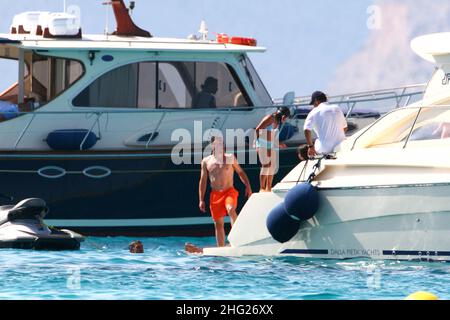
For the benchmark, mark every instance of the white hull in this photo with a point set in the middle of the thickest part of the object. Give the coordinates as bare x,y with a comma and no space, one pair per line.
403,222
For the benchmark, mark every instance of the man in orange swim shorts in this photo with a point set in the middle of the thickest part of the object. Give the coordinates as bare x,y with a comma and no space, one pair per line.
220,168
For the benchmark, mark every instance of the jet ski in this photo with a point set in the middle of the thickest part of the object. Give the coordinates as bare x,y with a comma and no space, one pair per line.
22,227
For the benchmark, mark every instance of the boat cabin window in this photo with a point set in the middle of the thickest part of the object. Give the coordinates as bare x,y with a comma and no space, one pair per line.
9,84
44,77
166,84
52,76
256,82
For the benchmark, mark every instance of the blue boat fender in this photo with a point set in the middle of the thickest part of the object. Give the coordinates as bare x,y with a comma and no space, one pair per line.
280,225
302,202
71,139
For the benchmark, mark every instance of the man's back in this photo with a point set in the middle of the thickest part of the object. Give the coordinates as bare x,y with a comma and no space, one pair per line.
329,123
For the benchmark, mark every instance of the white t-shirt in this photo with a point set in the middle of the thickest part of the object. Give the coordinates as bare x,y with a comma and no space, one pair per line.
328,122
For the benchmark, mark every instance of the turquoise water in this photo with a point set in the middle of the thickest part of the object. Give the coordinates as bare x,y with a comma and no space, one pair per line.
104,269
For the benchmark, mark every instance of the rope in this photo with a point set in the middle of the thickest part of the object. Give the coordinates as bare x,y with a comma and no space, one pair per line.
302,172
315,168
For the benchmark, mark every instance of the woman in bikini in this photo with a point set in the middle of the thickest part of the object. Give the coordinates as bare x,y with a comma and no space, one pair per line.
267,145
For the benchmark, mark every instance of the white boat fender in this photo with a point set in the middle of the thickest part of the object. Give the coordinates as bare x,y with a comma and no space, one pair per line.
300,204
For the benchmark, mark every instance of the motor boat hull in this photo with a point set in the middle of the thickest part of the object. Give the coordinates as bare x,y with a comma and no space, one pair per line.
403,222
127,194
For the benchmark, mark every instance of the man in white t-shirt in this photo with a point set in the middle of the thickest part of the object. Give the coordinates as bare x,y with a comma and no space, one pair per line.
329,124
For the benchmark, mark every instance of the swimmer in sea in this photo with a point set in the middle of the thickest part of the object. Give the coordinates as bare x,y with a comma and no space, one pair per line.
136,247
191,248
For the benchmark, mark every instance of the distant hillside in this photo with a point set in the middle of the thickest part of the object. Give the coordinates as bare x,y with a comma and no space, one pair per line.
386,60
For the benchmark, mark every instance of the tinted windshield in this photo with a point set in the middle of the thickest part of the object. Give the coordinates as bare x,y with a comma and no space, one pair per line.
166,84
255,81
405,126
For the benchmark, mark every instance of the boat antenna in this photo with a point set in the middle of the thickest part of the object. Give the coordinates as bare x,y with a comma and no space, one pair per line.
65,5
132,6
203,27
106,4
203,9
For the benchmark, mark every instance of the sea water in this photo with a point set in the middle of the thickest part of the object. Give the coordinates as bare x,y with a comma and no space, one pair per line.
104,269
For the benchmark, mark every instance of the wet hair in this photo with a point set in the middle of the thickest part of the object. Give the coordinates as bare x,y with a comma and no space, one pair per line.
281,112
303,151
136,247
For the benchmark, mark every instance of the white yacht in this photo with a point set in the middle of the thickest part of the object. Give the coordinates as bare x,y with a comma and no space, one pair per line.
95,133
384,195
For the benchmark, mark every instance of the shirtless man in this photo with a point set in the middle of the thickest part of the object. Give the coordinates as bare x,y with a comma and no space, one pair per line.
220,168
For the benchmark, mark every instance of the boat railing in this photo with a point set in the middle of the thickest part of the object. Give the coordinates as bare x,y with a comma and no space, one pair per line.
402,96
395,97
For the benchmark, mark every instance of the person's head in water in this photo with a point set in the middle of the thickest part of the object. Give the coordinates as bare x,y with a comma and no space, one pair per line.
211,85
282,114
136,247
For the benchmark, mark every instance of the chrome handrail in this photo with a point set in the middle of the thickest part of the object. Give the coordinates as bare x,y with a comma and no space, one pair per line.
412,128
368,96
150,139
97,121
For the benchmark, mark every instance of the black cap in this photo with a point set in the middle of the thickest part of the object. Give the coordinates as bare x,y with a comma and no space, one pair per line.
318,95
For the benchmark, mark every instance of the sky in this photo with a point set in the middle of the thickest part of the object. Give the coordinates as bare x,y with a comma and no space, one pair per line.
306,40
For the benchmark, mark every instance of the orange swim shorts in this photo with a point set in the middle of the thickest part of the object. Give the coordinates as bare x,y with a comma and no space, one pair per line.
219,200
